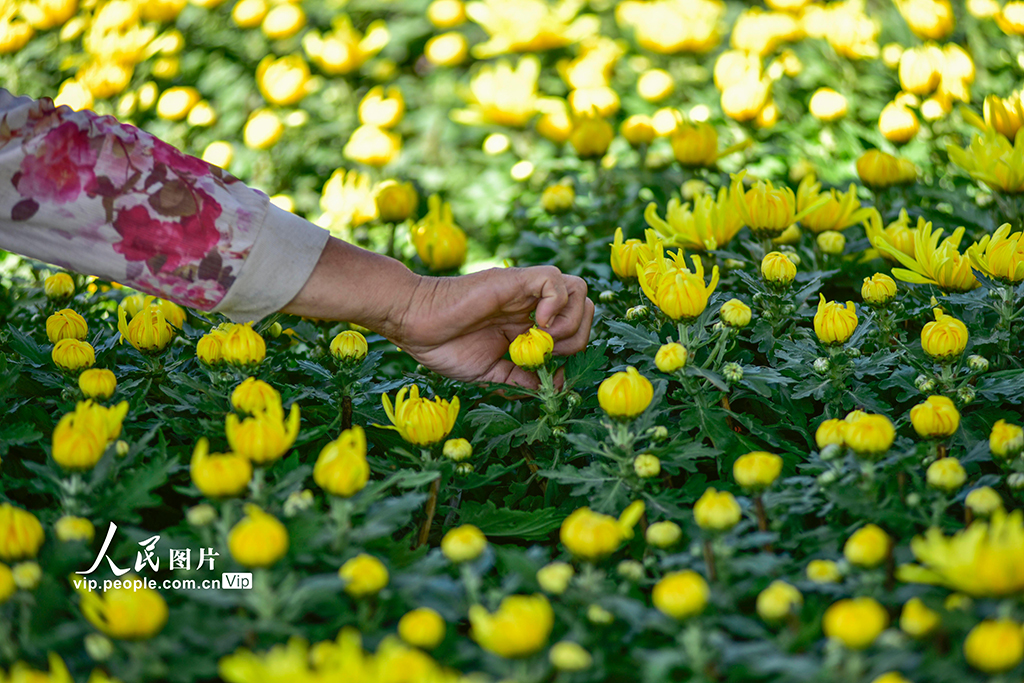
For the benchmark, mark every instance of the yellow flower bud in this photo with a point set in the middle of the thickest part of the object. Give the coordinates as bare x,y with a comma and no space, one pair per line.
447,49
73,529
265,436
1006,116
81,437
831,242
21,534
175,103
457,450
569,656
1006,440
422,627
944,338
283,21
395,201
591,136
995,646
59,287
255,396
916,620
856,623
372,146
439,242
654,85
599,615
671,357
681,595
834,324
592,536
519,628
558,198
262,130
341,469
625,395
735,313
446,13
27,575
249,13
827,105
823,571
364,575
879,170
778,269
420,421
898,123
463,544
638,130
830,432
219,475
878,290
258,540
66,324
125,613
97,383
628,254
869,436
663,534
920,69
554,578
935,418
242,346
757,470
983,501
778,601
716,511
532,349
7,585
647,466
71,355
946,474
382,109
283,81
555,126
867,547
148,330
349,347
695,145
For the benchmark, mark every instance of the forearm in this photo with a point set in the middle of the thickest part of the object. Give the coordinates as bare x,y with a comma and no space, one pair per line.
359,286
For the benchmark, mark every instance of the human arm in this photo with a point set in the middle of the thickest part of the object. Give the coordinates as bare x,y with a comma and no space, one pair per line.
460,327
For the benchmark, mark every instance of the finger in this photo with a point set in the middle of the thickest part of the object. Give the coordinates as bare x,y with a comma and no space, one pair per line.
578,341
571,317
507,372
559,378
547,284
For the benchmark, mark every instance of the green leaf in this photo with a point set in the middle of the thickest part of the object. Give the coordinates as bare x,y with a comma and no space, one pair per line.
528,525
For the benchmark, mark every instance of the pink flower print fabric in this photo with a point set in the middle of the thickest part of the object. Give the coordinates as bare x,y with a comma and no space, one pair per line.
130,207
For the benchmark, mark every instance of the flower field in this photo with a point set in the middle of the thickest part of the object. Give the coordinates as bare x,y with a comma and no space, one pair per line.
791,451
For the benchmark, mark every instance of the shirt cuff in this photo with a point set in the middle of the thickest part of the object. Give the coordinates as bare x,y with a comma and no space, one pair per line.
282,258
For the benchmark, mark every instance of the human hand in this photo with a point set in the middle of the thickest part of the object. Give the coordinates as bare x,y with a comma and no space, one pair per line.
461,327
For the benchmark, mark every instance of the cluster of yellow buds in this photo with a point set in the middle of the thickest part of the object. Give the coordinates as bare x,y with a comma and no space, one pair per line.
264,435
232,343
374,143
81,437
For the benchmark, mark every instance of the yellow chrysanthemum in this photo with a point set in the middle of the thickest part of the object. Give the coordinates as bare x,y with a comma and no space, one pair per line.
528,25
420,421
1000,255
502,95
679,292
986,559
835,210
711,224
991,159
933,263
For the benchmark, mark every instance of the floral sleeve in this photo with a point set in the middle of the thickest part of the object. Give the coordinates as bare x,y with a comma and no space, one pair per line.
93,195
